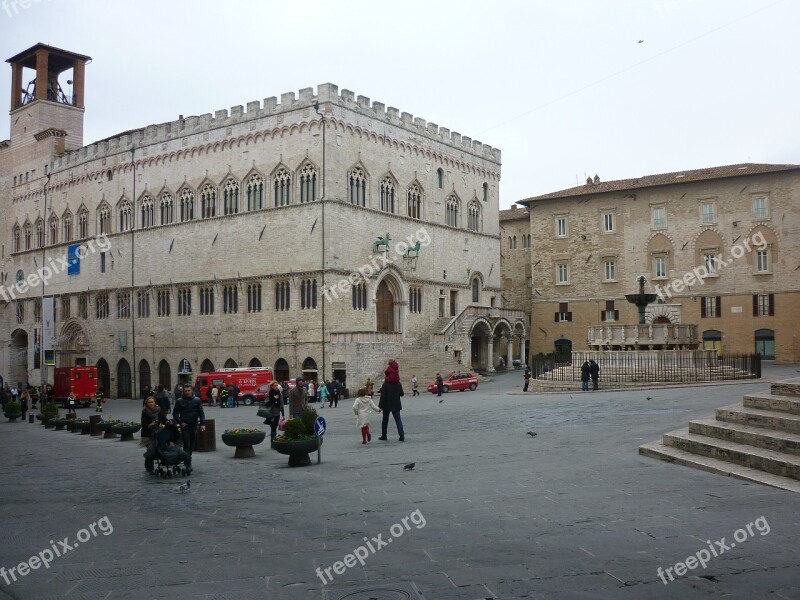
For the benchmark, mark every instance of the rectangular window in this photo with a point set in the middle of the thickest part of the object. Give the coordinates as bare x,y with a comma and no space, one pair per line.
207,300
609,314
760,207
143,304
658,217
608,223
101,306
711,306
123,305
562,273
610,270
710,262
762,261
162,303
83,306
708,212
185,302
561,227
763,305
563,314
660,266
102,262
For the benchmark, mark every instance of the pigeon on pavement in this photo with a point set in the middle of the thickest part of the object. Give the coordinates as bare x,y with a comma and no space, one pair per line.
532,433
185,487
409,466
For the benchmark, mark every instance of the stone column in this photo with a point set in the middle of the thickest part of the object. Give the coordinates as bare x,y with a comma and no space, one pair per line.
42,61
510,355
523,360
490,362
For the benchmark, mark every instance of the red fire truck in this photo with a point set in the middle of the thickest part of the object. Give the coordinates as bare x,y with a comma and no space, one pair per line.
247,379
81,381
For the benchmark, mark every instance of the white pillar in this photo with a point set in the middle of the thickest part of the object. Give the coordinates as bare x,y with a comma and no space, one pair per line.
523,360
510,354
490,366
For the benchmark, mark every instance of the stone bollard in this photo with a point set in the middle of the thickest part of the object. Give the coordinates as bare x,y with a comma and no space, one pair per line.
94,421
207,440
31,418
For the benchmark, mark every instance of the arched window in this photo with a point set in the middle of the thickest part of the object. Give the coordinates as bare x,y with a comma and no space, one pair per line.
255,192
187,205
16,235
474,217
105,219
440,178
451,215
308,183
230,299
360,296
66,226
27,233
308,293
387,195
39,228
125,215
476,291
53,229
208,202
166,208
414,202
83,224
357,187
485,192
514,241
148,212
282,185
230,197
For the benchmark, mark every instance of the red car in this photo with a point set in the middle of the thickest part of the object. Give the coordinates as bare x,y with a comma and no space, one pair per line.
457,380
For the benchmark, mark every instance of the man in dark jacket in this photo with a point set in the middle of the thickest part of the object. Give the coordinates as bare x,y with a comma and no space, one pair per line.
391,391
188,412
594,371
585,374
439,384
235,394
162,399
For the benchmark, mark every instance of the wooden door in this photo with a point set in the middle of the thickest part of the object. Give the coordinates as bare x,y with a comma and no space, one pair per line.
385,308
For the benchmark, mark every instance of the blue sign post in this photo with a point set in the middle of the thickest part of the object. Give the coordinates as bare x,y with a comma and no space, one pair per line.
319,430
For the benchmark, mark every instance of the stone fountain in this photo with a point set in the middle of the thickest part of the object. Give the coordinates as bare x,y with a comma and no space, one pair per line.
641,300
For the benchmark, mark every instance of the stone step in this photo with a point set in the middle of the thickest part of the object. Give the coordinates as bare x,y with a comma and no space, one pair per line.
777,441
712,465
774,402
776,463
756,417
789,387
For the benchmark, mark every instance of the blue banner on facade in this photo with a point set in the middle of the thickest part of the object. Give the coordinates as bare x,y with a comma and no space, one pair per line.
73,260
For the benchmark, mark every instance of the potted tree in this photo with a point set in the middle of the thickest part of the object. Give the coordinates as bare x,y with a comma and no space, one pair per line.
243,440
49,412
13,411
298,439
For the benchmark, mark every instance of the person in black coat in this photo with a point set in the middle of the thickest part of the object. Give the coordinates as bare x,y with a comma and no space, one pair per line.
585,373
594,372
152,420
391,391
274,404
162,399
188,412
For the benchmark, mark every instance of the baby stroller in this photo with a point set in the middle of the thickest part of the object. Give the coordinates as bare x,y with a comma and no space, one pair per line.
167,453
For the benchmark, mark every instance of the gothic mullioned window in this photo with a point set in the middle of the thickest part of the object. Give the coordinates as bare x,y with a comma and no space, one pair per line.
451,211
308,183
125,216
187,205
27,231
283,295
105,219
255,192
39,228
166,207
101,306
415,299
253,297
230,197
162,303
474,216
83,224
143,304
66,227
360,296
15,242
207,300
208,202
308,293
185,302
414,202
148,212
123,305
282,185
387,195
357,182
230,299
54,229
83,306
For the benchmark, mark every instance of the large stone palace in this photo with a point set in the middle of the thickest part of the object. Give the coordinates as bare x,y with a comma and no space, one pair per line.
323,233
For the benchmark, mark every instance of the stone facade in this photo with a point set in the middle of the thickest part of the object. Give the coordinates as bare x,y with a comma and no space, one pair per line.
590,243
516,258
269,213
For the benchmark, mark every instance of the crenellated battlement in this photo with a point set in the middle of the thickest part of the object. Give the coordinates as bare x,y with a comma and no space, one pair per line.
327,93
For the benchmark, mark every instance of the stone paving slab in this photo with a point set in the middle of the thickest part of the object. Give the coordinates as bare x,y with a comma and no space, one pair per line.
574,512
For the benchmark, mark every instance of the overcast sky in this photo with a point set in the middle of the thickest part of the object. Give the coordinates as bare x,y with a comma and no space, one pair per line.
563,88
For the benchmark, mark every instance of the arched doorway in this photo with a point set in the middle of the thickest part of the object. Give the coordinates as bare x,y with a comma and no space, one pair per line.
563,347
254,363
164,375
661,320
185,371
104,376
712,340
144,374
207,367
281,370
479,345
230,364
123,379
385,307
765,343
310,369
73,344
18,365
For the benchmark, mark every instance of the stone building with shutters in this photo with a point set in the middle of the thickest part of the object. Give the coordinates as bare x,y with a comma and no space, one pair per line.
247,237
719,245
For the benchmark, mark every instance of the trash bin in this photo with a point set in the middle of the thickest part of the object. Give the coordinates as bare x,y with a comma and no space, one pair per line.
94,421
207,440
31,418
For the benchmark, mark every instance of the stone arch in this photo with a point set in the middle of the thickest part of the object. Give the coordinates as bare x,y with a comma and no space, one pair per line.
104,376
480,336
207,366
144,374
281,369
670,312
164,375
124,380
72,341
18,358
254,363
389,297
230,364
502,328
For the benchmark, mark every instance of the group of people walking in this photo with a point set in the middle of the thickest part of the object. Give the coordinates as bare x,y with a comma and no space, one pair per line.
158,429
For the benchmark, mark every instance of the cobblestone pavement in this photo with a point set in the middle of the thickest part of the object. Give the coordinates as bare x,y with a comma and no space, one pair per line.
490,511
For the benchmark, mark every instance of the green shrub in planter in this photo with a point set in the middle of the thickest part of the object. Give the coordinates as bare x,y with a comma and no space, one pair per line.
49,408
13,408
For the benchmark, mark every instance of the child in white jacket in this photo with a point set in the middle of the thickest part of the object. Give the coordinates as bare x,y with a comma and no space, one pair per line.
362,407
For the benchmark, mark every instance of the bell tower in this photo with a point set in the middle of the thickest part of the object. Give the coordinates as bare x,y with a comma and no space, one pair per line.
51,103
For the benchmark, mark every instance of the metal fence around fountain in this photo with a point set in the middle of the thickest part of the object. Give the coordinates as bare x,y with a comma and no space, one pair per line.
644,367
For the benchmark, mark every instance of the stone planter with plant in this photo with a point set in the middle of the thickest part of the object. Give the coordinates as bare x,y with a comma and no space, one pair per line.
243,440
298,439
13,410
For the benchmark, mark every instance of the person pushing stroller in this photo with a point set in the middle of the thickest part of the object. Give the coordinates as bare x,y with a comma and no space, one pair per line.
166,450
